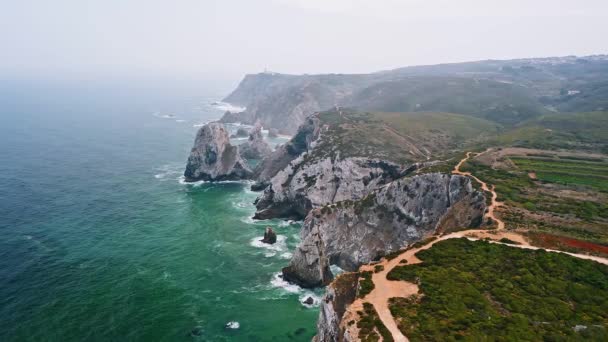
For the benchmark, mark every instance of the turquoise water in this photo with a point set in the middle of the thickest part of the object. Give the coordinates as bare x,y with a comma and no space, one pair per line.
99,239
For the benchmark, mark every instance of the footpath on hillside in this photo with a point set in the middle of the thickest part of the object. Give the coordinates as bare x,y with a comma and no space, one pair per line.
385,289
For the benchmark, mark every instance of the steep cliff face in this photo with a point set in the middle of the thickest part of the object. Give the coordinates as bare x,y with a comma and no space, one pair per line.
279,159
338,296
284,102
304,185
255,147
351,233
213,158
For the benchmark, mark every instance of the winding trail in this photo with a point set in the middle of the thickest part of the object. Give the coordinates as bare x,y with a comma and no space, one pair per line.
385,289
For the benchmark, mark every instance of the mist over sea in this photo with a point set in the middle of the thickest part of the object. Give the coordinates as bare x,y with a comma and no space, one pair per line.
101,240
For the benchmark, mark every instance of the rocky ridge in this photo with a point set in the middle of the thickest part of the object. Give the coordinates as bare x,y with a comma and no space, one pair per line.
351,233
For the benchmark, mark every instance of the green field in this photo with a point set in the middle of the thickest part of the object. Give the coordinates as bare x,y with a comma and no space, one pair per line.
572,131
536,295
567,171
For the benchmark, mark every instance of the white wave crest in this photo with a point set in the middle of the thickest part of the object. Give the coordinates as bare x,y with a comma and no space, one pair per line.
225,106
277,281
280,246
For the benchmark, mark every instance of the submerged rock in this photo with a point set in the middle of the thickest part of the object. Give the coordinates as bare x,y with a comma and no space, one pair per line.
351,233
213,158
270,237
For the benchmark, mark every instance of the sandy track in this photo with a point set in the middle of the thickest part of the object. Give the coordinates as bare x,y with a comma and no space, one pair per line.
385,289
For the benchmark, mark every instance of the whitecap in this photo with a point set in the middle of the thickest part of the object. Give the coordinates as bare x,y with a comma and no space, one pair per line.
279,246
277,281
286,255
225,106
233,325
315,298
180,120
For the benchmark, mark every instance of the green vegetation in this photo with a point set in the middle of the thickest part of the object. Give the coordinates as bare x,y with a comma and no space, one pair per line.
397,137
566,171
366,284
509,241
378,268
501,102
581,131
370,325
478,291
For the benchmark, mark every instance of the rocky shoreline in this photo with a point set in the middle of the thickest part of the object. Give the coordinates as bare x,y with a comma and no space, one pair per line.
356,209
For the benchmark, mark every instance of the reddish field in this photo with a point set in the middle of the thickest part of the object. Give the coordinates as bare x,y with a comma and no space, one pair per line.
554,241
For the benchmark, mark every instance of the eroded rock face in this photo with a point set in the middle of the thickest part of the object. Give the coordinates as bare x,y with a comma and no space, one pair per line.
304,185
338,296
350,234
213,158
255,147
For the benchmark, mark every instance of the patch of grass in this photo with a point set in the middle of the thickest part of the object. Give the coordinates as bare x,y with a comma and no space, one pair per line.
378,268
535,295
366,284
402,138
370,325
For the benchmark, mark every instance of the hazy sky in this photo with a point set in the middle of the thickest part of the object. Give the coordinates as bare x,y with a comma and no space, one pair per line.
231,37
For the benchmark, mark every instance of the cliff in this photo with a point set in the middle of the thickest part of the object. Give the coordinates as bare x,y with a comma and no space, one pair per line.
213,158
351,233
508,91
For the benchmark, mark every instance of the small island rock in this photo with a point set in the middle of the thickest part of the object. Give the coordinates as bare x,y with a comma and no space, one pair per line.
270,237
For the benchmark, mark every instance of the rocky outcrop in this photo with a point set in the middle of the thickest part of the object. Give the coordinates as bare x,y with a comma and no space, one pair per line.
279,159
240,133
270,237
255,147
213,158
338,296
304,185
351,233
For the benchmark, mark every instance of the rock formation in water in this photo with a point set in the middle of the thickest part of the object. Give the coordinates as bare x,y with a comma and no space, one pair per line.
213,158
240,133
351,233
270,237
255,147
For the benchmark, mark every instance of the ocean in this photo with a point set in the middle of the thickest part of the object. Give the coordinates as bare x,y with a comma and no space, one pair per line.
101,240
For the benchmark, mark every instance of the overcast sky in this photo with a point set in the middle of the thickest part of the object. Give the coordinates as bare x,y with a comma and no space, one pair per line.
232,37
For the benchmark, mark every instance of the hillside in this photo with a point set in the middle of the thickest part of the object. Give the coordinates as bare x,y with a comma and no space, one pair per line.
509,91
397,137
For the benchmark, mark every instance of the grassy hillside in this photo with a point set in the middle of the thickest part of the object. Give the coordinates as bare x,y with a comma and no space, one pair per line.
496,101
584,131
398,137
536,295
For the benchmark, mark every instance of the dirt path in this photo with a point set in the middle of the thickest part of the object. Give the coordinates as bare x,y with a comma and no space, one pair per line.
385,289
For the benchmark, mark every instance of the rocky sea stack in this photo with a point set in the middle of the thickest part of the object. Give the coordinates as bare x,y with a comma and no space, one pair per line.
255,147
213,158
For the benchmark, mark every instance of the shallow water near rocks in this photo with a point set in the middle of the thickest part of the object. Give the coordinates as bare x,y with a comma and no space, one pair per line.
99,239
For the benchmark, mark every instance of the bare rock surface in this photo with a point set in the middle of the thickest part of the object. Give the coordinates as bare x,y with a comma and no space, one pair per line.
213,158
351,233
255,147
